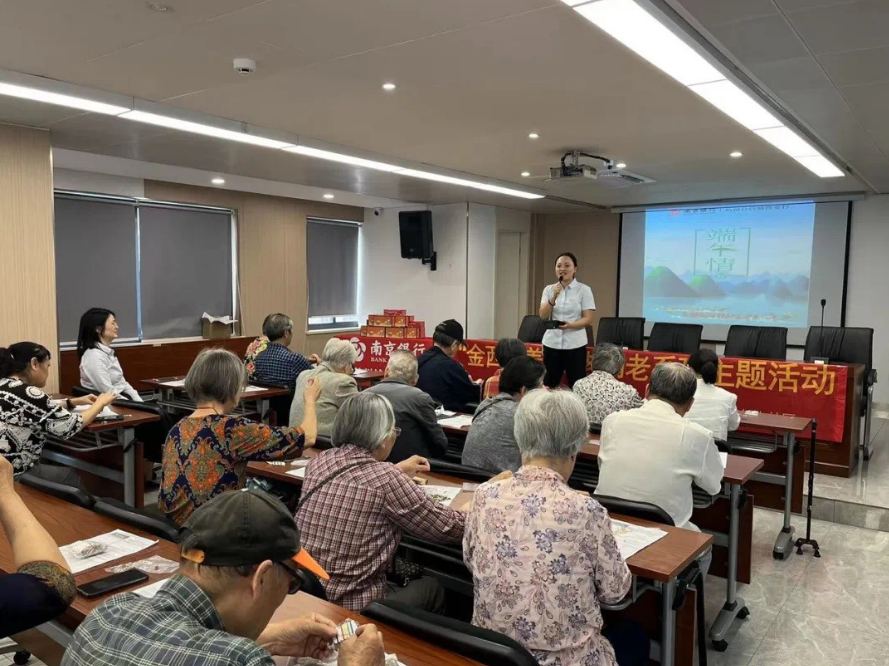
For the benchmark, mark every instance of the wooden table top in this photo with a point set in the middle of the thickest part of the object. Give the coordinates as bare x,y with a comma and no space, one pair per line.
257,392
776,422
661,561
131,418
738,469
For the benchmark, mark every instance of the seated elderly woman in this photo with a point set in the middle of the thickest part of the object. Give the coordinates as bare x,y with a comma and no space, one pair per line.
601,391
714,408
355,507
542,555
506,350
334,376
207,452
491,443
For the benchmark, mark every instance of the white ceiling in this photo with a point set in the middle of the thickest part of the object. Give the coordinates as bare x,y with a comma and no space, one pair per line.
474,77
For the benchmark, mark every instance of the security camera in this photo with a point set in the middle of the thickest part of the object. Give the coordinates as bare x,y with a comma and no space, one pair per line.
378,211
244,66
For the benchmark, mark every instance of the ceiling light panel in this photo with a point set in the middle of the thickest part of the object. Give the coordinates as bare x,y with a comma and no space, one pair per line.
342,158
788,141
820,166
737,104
428,175
25,92
201,128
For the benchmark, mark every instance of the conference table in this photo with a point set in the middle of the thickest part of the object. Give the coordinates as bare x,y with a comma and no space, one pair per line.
67,523
93,442
661,562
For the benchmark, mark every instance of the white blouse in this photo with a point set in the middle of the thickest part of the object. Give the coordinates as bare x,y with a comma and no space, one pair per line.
574,299
100,371
716,409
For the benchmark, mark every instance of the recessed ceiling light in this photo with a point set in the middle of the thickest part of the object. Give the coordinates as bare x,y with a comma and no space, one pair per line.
621,165
328,196
533,135
389,86
218,181
525,174
158,7
736,153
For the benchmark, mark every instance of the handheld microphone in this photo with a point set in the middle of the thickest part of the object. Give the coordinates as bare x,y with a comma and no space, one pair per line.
561,277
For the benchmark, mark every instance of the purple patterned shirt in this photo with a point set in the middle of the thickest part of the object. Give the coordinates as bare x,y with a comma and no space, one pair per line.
542,556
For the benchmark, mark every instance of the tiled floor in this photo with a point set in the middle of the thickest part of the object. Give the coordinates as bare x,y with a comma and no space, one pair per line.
807,611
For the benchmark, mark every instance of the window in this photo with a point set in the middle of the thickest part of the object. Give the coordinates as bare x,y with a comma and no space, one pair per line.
159,267
332,260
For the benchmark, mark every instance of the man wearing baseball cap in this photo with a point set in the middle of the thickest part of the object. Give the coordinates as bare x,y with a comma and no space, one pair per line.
241,556
441,376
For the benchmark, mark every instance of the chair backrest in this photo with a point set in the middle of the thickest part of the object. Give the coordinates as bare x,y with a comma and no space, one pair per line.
476,474
531,329
158,526
311,584
843,344
676,338
641,510
60,490
322,443
483,645
622,331
757,342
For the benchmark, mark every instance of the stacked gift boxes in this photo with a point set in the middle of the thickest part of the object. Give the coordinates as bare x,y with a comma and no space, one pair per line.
393,324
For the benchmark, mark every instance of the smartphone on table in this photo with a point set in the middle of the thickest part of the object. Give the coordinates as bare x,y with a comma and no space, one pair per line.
112,583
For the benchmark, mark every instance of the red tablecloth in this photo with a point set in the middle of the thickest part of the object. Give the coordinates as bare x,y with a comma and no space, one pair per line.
776,387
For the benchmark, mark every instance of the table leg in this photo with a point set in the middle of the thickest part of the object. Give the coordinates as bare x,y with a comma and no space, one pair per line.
668,624
784,542
265,407
734,605
128,439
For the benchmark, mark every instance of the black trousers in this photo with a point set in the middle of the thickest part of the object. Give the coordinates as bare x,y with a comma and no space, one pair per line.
564,361
631,644
426,593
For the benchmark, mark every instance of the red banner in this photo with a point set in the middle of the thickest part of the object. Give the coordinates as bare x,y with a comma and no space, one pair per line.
775,387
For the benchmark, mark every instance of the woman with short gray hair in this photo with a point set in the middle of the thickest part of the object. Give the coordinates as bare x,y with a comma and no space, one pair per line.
543,555
207,452
601,391
355,508
334,375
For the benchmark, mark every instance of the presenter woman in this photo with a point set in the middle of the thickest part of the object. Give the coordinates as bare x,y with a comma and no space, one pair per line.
570,301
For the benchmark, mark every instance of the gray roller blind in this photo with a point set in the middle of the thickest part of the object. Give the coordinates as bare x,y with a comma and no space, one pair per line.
95,243
332,257
186,261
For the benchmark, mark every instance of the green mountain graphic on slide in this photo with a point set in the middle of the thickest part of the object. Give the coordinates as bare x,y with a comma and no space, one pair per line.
664,282
706,286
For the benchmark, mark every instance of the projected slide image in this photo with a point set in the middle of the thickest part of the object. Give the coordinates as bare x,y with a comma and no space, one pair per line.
745,265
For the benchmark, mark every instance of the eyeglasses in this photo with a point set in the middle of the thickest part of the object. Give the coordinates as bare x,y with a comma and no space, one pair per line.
296,581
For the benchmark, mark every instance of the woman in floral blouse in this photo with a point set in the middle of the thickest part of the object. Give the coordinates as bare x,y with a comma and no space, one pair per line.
542,555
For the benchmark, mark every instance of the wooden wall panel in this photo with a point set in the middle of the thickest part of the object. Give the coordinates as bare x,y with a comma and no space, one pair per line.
28,270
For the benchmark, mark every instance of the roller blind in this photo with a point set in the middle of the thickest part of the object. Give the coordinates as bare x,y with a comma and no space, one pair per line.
332,259
95,245
186,269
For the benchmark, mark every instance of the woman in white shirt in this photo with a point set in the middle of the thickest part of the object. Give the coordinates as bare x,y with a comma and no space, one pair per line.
714,408
570,301
99,368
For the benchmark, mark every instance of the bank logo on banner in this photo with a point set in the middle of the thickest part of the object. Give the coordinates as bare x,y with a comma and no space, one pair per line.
360,347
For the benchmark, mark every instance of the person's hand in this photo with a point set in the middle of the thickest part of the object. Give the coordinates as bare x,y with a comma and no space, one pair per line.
306,636
313,390
566,326
105,399
505,474
365,648
84,400
6,476
557,289
314,358
413,465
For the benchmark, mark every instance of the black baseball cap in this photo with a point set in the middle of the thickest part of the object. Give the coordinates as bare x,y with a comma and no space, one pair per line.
245,527
451,328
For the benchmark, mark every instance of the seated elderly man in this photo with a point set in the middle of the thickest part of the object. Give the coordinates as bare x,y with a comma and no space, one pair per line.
241,557
441,375
355,507
414,410
334,375
269,359
542,555
654,455
601,391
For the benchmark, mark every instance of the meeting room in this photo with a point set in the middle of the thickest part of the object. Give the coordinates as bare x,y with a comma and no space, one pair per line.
491,333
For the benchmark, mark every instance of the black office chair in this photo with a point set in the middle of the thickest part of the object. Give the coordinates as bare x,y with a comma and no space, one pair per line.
280,404
769,342
848,344
675,338
655,514
483,645
323,442
68,493
622,331
311,584
531,329
473,474
585,475
144,519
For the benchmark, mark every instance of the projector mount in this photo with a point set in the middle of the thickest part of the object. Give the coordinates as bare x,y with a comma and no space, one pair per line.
576,167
